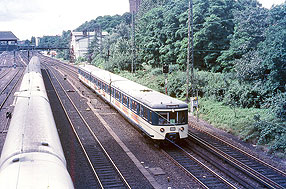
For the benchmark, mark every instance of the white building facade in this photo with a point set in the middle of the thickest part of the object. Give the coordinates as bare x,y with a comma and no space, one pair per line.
81,40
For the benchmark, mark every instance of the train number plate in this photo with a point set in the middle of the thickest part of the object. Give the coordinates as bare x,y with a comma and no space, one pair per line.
172,128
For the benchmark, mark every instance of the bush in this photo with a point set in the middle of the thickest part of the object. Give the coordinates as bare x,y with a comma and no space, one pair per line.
279,106
156,71
177,84
270,133
259,126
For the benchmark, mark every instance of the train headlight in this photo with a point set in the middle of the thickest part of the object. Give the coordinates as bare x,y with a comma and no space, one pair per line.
162,130
182,128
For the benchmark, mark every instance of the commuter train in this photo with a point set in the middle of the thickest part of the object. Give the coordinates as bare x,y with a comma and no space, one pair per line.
32,155
159,116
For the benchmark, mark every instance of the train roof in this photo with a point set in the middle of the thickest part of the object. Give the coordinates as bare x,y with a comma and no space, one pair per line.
143,94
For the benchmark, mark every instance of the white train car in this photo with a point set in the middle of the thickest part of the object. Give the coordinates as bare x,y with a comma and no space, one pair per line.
159,116
32,155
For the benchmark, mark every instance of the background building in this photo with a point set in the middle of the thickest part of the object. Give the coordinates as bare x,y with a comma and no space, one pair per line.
8,41
134,5
81,40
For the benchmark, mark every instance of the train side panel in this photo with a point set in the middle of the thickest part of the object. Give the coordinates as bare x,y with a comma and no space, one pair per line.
153,131
32,155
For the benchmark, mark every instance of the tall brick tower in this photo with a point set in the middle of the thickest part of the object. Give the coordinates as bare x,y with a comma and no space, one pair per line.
134,5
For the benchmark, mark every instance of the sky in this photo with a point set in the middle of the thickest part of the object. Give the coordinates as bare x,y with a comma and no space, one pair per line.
27,18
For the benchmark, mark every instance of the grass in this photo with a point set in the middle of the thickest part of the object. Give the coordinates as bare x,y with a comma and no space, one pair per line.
238,121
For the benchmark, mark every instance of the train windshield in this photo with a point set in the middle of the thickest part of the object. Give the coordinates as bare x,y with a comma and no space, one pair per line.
170,118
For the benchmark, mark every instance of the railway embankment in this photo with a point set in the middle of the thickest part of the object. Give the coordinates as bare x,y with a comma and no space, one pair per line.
259,127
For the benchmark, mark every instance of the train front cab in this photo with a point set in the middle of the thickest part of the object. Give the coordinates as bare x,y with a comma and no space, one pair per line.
171,124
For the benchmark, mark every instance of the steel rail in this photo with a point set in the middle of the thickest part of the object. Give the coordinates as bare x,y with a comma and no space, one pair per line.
75,132
242,166
17,81
242,151
97,140
202,165
5,73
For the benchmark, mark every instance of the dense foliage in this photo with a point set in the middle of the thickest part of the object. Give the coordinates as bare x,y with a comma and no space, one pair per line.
62,41
239,57
105,23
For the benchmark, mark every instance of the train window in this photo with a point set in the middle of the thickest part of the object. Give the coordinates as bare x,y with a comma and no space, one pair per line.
125,100
117,95
147,114
169,118
108,89
134,107
103,86
183,117
144,112
163,118
112,92
141,110
173,117
154,118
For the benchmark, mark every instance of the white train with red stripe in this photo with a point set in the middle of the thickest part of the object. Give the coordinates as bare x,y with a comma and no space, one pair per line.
157,115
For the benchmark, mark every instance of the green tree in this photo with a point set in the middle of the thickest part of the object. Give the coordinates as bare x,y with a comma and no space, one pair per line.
273,48
105,23
250,24
64,42
149,37
212,37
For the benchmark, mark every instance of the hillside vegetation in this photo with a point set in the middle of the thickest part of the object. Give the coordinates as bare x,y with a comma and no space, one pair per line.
239,60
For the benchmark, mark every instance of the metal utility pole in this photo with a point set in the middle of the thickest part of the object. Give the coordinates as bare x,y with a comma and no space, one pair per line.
14,64
190,50
100,39
166,71
192,46
133,42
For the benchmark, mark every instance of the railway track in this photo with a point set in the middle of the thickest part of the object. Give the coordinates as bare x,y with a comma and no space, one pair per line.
21,59
4,73
196,169
105,171
205,176
78,167
263,173
56,62
9,87
135,176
